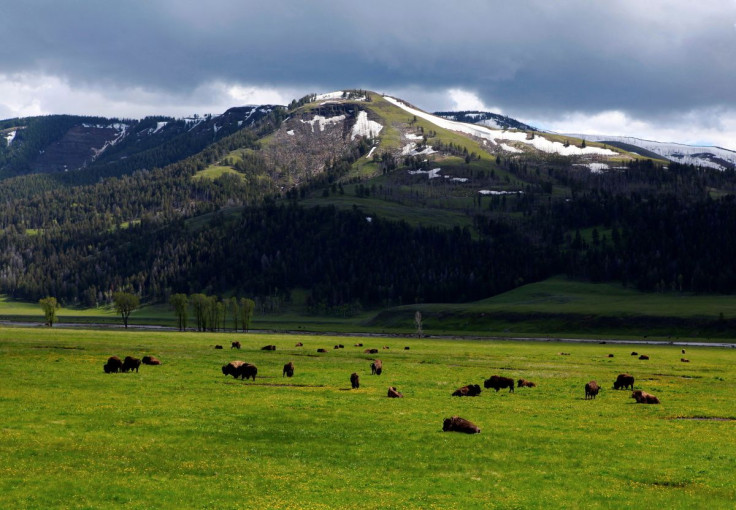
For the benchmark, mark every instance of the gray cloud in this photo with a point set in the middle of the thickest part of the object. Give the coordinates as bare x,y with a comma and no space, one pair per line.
533,58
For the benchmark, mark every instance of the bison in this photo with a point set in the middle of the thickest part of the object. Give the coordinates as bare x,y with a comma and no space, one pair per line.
471,390
394,393
150,360
321,350
642,397
370,351
288,369
523,383
610,355
643,356
591,390
341,346
232,368
113,365
457,424
376,367
683,351
634,353
268,348
218,346
299,344
131,363
497,382
685,360
354,381
623,381
235,345
406,348
359,345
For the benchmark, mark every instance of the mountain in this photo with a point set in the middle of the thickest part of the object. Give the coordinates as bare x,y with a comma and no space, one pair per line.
492,120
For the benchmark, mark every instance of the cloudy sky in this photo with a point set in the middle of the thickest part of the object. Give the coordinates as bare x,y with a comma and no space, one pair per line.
657,69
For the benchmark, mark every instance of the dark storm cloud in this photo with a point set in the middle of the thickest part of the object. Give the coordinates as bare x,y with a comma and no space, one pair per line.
534,56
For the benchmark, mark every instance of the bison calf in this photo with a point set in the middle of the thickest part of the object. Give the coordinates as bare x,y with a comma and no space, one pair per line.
394,393
457,424
642,397
354,381
623,381
288,369
497,382
376,367
591,390
113,365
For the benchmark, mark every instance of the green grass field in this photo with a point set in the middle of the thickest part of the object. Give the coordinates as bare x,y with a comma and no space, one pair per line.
182,435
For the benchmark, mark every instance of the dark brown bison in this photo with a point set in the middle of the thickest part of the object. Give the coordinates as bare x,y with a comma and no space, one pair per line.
683,351
394,393
685,360
643,356
113,365
247,370
471,390
341,346
232,368
623,381
385,347
610,355
130,363
591,390
523,383
406,348
288,369
299,344
354,380
150,360
376,367
370,351
563,353
642,397
321,350
497,382
235,345
634,353
358,345
268,348
457,424
218,346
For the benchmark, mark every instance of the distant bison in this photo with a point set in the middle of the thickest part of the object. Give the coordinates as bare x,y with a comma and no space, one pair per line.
623,381
341,346
394,393
354,380
358,345
643,356
288,369
376,367
406,348
563,353
591,390
471,390
235,345
336,347
321,350
685,360
150,360
683,351
634,353
523,383
218,346
497,382
299,344
113,365
642,397
370,351
268,348
240,369
130,363
610,355
385,347
457,424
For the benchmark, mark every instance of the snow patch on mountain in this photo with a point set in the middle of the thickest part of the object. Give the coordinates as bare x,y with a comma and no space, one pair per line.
9,137
365,127
330,95
511,149
323,121
538,142
431,174
494,192
159,126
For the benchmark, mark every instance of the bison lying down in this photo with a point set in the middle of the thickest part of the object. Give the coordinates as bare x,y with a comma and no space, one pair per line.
113,365
497,382
288,369
523,383
354,380
394,393
457,424
623,381
268,348
131,363
591,390
471,390
150,360
240,369
642,397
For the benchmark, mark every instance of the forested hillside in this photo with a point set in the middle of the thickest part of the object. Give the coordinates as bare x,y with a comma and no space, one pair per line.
360,203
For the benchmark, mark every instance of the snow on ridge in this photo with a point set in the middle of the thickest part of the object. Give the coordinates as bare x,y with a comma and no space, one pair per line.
323,121
10,137
511,149
370,153
410,150
431,174
494,192
159,126
330,95
365,127
410,136
595,168
484,132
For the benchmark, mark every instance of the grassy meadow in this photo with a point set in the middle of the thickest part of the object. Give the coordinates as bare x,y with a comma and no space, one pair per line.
182,435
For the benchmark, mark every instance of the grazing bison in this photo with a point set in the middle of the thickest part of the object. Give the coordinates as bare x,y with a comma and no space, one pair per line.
634,353
497,382
232,368
288,369
218,346
268,348
376,367
642,397
247,370
299,344
457,424
643,356
523,383
235,345
354,381
623,381
150,360
471,390
394,393
321,350
685,360
591,390
113,365
131,363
